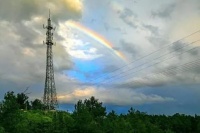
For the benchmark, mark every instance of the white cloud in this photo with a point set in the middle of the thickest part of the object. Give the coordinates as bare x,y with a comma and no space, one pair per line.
76,47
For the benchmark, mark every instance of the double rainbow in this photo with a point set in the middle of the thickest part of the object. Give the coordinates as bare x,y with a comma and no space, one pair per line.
95,36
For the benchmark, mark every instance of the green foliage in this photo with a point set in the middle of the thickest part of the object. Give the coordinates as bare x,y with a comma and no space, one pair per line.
9,104
2,130
10,112
22,100
89,116
92,106
37,104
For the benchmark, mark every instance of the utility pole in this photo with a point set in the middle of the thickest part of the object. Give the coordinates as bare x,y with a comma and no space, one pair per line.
50,97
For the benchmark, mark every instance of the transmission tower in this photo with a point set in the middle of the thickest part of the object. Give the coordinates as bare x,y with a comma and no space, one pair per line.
50,98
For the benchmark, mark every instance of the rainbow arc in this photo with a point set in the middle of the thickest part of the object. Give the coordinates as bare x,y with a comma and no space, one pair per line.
99,38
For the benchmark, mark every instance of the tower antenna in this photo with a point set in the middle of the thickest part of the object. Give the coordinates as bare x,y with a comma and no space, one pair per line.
50,96
49,13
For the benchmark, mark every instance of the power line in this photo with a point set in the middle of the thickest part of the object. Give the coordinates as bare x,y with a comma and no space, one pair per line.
150,61
113,77
180,68
155,64
140,58
186,66
150,66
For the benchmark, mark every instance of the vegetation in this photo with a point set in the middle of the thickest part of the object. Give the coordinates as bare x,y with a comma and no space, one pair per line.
18,115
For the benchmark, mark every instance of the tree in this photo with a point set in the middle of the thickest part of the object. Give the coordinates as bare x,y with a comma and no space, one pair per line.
22,100
62,122
2,130
37,104
10,112
89,115
9,104
95,108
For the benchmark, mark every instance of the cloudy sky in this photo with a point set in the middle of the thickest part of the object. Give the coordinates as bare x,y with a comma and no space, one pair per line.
127,53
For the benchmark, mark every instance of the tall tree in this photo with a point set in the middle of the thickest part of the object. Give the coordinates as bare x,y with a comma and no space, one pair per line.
89,115
10,112
9,104
22,100
37,104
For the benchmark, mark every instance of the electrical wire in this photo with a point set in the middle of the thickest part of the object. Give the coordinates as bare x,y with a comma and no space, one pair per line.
174,70
150,61
140,58
155,63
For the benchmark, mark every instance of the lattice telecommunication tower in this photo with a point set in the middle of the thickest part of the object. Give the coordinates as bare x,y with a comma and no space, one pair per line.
50,98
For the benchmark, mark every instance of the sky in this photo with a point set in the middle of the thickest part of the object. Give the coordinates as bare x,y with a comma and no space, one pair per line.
127,53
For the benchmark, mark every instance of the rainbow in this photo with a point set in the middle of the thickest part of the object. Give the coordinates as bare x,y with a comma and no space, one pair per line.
95,36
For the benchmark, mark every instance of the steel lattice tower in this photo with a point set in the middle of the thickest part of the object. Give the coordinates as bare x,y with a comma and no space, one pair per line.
50,98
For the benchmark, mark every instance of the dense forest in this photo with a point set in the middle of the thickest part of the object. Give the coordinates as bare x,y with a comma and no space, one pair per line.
19,115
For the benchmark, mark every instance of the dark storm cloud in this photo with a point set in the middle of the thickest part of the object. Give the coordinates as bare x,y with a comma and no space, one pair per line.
109,68
164,12
146,81
157,41
18,63
28,34
18,10
153,29
128,16
106,26
129,47
195,52
109,27
155,38
178,46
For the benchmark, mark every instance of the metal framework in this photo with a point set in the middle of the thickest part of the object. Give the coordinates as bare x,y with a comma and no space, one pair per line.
50,98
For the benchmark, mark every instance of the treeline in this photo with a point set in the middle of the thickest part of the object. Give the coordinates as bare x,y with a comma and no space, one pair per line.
18,115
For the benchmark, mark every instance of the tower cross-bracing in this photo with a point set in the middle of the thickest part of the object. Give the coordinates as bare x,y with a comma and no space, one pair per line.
50,98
